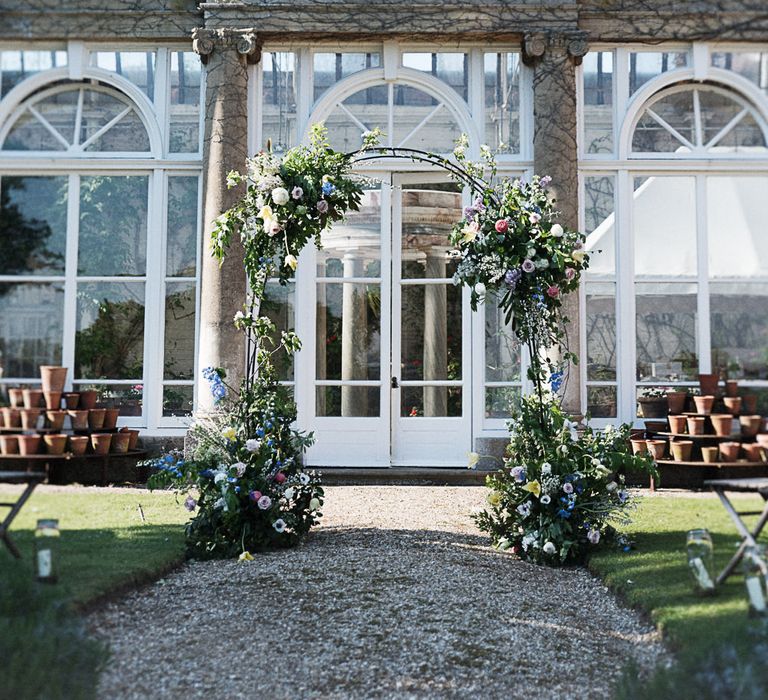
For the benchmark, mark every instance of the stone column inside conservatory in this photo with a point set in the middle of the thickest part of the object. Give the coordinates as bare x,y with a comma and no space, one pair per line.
554,57
226,54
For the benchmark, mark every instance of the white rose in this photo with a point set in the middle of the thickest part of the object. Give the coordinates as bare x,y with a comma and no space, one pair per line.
480,289
578,255
546,468
288,493
252,445
549,548
556,230
612,486
280,196
314,504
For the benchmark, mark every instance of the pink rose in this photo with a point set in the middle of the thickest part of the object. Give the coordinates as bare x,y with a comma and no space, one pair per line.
570,273
279,477
502,225
254,496
535,217
553,291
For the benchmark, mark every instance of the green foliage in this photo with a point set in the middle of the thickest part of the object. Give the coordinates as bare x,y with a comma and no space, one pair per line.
560,492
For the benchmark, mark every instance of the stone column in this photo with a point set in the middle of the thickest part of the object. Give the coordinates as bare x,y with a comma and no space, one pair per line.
354,338
554,57
435,335
226,54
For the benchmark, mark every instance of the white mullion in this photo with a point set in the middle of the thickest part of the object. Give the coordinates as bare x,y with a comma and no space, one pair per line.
386,361
582,292
726,129
702,303
53,132
104,129
304,92
360,124
625,297
476,93
256,106
526,120
420,124
390,113
78,117
162,96
620,97
668,127
252,108
198,265
69,320
697,120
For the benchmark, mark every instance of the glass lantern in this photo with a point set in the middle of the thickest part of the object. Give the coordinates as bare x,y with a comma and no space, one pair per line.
700,561
46,550
755,577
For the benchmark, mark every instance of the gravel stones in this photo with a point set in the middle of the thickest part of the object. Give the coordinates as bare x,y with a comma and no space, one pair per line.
397,594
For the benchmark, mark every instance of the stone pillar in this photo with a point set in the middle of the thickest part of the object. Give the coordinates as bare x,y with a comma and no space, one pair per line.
354,339
226,54
435,335
554,57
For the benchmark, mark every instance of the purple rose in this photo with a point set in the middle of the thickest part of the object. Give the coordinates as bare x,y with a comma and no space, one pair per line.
322,206
190,503
297,193
568,487
264,502
593,536
528,266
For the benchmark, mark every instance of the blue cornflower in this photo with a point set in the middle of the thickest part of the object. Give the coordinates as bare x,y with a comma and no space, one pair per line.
328,188
556,381
260,432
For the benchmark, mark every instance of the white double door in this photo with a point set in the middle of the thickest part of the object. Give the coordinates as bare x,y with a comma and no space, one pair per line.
384,378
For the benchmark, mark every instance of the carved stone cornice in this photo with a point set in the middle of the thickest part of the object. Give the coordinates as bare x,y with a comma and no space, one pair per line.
244,41
536,44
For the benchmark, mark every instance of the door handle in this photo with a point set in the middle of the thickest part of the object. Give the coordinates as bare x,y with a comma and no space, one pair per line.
394,384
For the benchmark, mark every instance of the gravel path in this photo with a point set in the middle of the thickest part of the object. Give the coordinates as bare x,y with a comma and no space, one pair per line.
397,595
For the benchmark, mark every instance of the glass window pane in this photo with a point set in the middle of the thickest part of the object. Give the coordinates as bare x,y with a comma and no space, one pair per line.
113,225
109,342
278,100
646,65
502,348
430,401
348,331
738,317
178,401
666,331
31,327
15,66
348,401
664,226
676,110
279,305
501,401
33,225
601,331
136,66
363,111
186,78
737,212
429,212
598,102
502,101
179,330
752,65
29,134
601,401
352,248
129,398
430,345
420,121
181,253
330,68
128,135
600,224
451,68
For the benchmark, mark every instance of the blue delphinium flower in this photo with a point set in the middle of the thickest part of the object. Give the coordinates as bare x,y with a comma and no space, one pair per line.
556,381
328,188
218,390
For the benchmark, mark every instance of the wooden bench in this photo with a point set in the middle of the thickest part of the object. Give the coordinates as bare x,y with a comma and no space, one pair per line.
31,479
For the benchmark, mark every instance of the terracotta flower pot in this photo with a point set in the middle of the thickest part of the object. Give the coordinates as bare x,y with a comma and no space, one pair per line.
656,426
749,403
134,441
676,401
750,425
56,419
72,399
677,424
88,399
708,384
52,399
639,446
732,404
722,423
732,388
96,418
657,448
79,419
695,425
110,418
32,398
729,451
29,444
53,377
681,450
9,444
653,406
11,417
78,444
753,451
55,443
101,442
709,454
29,418
120,442
704,404
16,397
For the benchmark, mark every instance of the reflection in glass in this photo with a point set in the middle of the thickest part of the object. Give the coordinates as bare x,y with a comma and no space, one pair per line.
601,401
185,102
598,101
179,330
600,223
136,66
362,111
129,398
109,342
33,225
330,401
666,331
502,101
352,248
278,100
753,65
502,348
601,331
178,401
127,135
501,401
330,68
646,65
449,68
181,253
16,66
113,225
427,401
31,327
279,307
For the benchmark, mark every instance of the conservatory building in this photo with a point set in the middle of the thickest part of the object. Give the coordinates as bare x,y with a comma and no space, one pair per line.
118,128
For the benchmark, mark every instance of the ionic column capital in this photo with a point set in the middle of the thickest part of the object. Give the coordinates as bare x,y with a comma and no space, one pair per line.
536,44
243,41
